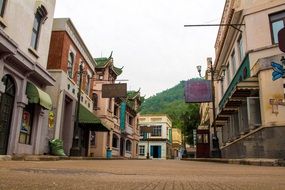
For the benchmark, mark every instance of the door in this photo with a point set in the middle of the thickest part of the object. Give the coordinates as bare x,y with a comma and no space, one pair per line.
159,151
6,110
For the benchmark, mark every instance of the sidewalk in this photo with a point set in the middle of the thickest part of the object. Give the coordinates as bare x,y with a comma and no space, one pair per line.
50,158
245,161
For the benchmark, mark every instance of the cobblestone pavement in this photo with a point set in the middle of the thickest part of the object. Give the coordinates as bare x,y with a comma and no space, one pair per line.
138,175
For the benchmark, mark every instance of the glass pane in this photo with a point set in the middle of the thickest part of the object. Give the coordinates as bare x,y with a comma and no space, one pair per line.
33,40
1,6
276,26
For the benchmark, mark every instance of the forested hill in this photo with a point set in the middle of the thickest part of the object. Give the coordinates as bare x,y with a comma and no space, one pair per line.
162,100
171,102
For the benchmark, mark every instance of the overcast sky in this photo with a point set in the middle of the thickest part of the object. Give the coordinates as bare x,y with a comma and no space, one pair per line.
147,37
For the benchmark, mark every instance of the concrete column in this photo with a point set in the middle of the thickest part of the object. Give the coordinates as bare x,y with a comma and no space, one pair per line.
59,108
38,126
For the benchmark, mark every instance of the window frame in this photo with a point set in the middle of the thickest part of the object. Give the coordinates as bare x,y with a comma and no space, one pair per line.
141,150
70,64
36,31
273,18
156,131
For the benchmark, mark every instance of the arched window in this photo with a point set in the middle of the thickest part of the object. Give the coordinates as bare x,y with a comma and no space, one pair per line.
70,63
115,141
95,101
128,145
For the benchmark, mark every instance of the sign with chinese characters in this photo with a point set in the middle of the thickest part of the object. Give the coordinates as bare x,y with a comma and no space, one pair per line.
198,91
114,90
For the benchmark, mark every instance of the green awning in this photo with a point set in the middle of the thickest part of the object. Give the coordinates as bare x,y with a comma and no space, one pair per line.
88,120
37,96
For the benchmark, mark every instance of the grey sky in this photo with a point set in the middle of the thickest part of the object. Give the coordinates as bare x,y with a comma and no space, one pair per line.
147,37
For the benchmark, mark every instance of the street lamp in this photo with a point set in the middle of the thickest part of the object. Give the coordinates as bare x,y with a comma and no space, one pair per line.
76,142
216,152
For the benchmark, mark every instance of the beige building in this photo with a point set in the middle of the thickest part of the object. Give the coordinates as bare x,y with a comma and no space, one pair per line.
155,136
119,115
247,108
25,31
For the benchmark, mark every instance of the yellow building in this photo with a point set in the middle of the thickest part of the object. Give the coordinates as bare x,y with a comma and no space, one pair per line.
176,142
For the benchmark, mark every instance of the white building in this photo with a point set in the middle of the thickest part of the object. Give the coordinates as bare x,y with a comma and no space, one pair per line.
25,31
155,136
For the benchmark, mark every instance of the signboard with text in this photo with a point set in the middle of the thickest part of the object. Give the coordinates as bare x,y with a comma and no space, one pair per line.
114,90
198,91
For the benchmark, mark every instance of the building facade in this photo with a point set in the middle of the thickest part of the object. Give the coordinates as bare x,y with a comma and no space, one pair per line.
24,105
249,109
117,114
67,53
176,142
155,136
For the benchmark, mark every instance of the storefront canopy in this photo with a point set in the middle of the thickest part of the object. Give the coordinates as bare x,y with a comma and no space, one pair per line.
88,120
37,96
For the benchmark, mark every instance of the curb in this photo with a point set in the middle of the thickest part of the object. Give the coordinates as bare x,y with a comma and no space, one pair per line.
249,161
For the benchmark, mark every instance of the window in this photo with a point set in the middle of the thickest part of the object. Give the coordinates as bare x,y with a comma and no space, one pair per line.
27,123
277,22
128,145
40,17
70,63
142,150
130,120
228,75
95,101
110,104
93,138
203,138
233,62
240,48
2,7
156,131
116,110
222,88
115,141
87,87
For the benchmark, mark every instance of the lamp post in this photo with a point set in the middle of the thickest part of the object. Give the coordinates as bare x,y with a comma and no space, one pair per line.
76,142
216,152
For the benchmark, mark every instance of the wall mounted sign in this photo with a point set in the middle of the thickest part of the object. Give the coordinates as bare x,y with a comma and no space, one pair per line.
197,91
114,90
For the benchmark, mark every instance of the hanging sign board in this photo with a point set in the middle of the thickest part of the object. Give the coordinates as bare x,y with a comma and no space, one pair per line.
198,91
114,90
281,39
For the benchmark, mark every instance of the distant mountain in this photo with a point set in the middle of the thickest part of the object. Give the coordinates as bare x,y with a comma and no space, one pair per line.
171,102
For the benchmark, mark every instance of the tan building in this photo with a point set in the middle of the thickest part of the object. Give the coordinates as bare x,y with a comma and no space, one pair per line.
252,123
119,115
155,136
176,142
25,30
67,53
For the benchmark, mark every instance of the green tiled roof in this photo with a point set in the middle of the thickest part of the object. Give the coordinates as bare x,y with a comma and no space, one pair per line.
102,62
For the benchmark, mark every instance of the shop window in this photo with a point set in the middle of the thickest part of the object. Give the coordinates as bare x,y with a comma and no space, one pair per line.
142,150
277,22
26,125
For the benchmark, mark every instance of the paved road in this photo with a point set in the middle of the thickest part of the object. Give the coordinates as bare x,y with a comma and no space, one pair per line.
138,175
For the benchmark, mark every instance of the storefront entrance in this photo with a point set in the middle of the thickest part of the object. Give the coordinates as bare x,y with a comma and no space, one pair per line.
155,151
6,110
